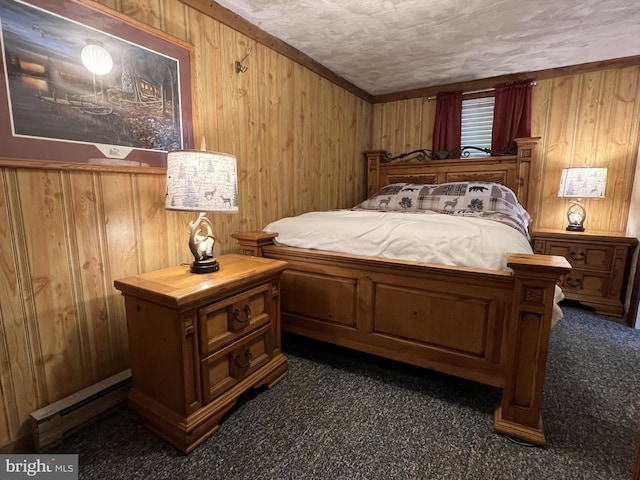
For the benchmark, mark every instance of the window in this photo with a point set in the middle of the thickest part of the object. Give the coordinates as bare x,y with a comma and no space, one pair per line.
477,124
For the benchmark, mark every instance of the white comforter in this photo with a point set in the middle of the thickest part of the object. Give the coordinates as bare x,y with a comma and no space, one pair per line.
432,238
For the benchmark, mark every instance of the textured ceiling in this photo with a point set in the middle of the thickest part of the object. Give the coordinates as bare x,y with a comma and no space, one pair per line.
387,46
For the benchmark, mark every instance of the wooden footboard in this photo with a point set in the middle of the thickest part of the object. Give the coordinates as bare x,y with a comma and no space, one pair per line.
487,326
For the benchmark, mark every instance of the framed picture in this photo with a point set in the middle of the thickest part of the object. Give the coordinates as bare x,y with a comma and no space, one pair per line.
82,84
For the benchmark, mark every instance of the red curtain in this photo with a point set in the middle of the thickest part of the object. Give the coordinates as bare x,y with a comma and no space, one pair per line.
448,122
511,114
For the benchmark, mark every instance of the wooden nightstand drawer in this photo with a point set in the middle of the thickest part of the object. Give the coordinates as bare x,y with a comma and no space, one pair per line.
585,282
582,255
223,369
225,322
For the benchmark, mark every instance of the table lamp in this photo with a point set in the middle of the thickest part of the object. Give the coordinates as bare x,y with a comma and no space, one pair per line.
579,183
202,181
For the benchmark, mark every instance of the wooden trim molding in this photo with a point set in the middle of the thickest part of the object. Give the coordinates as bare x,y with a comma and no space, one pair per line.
86,167
490,82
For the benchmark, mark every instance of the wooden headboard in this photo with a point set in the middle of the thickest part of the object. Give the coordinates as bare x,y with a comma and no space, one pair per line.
510,170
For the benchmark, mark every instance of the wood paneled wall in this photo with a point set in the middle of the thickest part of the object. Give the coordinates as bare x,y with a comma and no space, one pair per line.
585,119
67,233
65,236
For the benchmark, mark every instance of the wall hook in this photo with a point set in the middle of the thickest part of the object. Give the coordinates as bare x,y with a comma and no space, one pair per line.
240,67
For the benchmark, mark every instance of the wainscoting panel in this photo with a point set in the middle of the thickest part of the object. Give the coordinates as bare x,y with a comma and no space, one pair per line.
66,235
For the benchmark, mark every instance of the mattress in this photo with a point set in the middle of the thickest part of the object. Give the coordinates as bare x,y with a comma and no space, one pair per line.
421,237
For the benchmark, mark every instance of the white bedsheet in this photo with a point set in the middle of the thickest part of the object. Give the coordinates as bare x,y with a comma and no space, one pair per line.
423,237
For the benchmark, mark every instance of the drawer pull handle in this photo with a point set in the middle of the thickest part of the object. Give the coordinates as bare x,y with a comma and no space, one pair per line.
574,282
577,256
247,355
247,314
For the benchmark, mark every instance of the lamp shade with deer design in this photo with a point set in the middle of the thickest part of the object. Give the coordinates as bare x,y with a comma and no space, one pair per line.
202,181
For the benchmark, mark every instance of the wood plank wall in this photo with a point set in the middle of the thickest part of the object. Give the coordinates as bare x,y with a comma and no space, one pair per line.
584,119
66,234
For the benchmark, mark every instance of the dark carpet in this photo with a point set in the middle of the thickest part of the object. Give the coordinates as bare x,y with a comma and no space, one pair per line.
345,415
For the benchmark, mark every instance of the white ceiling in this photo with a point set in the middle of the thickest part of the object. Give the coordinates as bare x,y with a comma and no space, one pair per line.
387,46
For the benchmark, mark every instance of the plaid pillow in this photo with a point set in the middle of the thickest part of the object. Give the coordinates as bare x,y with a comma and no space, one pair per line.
489,200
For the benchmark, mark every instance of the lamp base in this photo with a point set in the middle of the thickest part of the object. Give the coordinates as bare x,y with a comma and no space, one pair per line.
576,215
206,266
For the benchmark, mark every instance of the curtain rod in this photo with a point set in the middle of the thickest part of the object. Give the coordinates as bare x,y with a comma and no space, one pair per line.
484,90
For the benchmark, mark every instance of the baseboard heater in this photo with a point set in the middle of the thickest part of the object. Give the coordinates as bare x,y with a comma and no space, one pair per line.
51,423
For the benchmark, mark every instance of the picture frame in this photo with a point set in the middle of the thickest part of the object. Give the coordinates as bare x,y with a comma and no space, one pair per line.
81,83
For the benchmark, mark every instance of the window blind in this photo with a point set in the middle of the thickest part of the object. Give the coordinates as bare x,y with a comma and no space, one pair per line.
477,124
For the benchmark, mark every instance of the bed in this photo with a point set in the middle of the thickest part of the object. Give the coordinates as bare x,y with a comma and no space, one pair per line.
489,325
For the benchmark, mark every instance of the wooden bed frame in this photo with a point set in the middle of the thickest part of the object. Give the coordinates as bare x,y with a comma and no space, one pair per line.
487,326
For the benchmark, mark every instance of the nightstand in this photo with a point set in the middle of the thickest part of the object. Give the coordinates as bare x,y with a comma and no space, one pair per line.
600,264
198,341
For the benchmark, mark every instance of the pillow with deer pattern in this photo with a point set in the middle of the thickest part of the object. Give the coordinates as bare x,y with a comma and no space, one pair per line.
396,197
489,200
